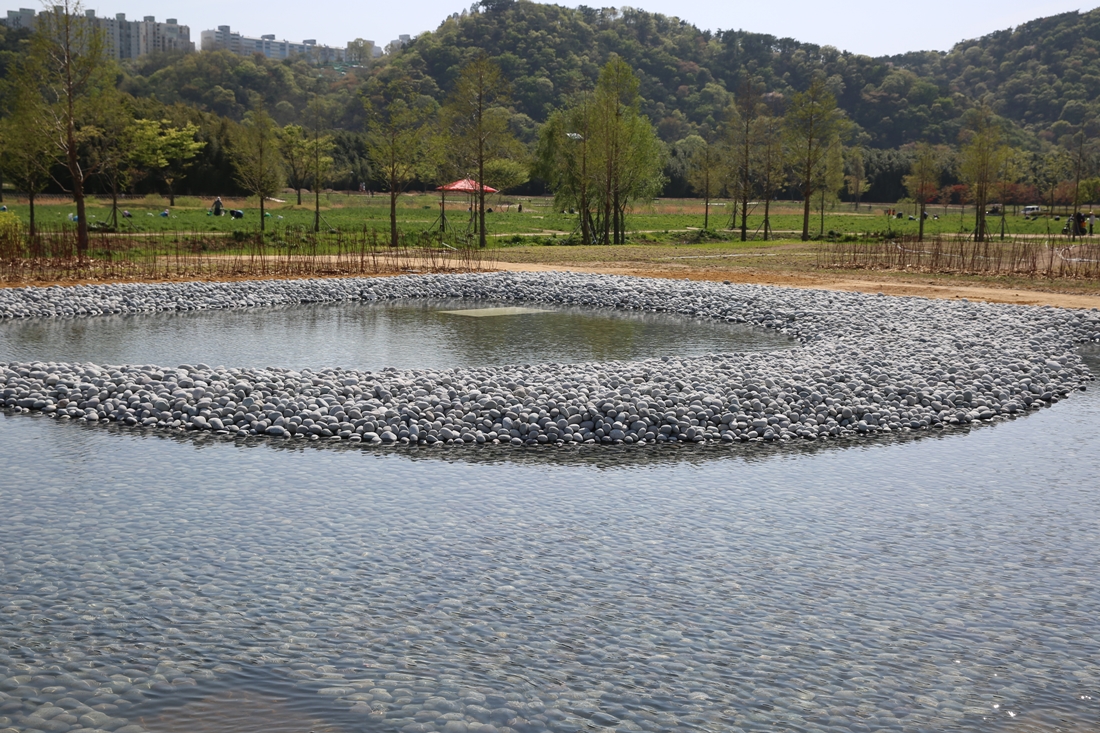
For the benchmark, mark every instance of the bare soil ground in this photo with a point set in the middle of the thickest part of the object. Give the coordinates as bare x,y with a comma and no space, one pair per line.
792,265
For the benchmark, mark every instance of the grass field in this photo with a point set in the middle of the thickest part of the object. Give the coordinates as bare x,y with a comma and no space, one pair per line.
665,220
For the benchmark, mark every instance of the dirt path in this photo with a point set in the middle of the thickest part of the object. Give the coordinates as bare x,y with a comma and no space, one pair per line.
784,278
825,282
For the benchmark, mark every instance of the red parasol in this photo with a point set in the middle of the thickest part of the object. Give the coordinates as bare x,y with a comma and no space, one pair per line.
466,185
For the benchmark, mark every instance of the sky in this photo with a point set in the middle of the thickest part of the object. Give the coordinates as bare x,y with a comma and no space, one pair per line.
870,27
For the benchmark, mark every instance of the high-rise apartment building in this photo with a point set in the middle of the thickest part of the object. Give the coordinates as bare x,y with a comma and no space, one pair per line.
125,39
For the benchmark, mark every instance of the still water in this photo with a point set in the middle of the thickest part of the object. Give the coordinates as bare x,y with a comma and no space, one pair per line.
173,583
425,334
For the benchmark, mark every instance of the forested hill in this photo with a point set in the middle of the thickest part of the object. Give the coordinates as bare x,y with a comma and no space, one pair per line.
1038,74
1043,75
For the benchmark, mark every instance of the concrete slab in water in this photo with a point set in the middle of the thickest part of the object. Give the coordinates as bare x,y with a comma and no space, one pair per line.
505,311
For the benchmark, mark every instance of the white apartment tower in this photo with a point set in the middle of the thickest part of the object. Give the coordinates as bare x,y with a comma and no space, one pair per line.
125,39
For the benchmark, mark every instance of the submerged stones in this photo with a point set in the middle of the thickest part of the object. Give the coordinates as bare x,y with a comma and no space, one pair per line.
866,364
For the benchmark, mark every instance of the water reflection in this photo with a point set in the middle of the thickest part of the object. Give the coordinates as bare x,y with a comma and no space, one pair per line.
405,335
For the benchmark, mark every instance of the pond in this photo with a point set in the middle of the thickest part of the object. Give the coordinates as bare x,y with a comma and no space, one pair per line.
167,582
411,334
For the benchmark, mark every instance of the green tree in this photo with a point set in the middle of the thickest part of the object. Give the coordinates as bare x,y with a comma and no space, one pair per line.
563,160
980,159
165,151
1009,173
813,121
741,147
856,181
923,181
69,68
256,158
628,160
320,152
832,179
26,150
1082,155
399,137
294,146
771,163
477,122
704,174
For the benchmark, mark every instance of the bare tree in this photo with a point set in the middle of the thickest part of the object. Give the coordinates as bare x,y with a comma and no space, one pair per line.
70,69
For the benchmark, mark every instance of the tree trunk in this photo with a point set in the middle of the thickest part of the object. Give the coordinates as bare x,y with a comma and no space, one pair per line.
767,215
618,219
316,210
806,194
744,216
821,228
920,229
393,216
81,223
30,201
299,196
262,214
706,212
114,202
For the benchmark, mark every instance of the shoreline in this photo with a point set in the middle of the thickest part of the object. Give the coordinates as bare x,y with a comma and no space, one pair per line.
784,279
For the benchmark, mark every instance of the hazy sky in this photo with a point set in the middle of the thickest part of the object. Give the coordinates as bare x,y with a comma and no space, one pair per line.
863,26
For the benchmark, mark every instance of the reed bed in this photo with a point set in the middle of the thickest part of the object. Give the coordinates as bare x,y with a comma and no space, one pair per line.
51,256
1018,256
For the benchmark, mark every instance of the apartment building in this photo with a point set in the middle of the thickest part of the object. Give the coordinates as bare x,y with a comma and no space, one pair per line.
226,39
125,39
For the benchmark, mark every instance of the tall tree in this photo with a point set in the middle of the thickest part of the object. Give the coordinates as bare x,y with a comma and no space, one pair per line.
704,174
294,147
399,136
771,162
69,67
741,148
26,150
1049,169
923,181
564,160
1009,173
1083,163
979,161
832,179
813,121
256,158
477,121
856,179
320,152
627,156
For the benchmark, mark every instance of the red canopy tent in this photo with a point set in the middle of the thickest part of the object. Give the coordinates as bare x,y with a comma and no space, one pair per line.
467,186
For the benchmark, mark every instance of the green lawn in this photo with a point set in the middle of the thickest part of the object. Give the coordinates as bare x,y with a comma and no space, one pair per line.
540,222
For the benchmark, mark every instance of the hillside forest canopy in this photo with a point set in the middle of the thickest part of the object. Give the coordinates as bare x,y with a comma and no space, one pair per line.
600,107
